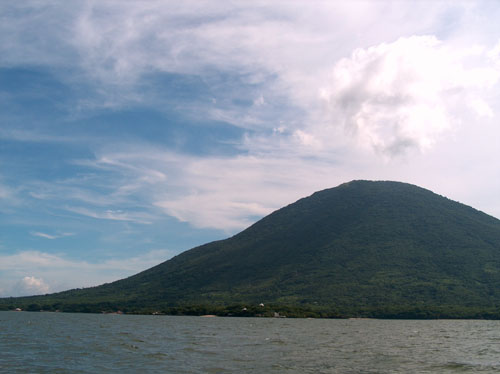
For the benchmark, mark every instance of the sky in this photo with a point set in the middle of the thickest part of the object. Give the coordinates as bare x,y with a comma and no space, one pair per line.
131,131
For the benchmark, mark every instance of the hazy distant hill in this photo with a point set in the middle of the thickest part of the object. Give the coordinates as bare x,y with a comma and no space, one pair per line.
364,248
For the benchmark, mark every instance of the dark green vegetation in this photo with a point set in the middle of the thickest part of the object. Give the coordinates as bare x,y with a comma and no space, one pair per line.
362,249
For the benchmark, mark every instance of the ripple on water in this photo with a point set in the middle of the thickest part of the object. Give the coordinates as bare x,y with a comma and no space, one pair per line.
78,343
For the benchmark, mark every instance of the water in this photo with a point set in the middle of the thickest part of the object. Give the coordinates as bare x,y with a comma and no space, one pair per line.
81,343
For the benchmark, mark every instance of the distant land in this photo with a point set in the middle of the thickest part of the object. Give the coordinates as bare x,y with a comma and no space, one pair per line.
377,249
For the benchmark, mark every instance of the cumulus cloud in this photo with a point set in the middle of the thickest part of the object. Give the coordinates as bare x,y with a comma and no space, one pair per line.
53,273
401,95
31,285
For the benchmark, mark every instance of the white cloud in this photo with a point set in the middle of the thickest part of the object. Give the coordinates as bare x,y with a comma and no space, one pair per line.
226,193
392,97
35,136
481,108
115,45
392,94
5,192
288,50
53,273
407,93
113,215
9,196
30,285
43,235
49,236
494,54
306,139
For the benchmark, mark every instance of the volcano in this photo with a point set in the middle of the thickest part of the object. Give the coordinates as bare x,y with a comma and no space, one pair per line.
364,248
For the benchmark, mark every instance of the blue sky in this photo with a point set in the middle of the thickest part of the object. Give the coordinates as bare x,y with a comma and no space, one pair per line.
132,131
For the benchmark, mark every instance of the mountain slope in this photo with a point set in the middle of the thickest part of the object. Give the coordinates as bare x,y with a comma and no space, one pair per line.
382,247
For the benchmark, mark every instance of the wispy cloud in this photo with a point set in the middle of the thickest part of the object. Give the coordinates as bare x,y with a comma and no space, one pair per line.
286,52
49,236
5,192
226,193
325,64
43,235
113,215
115,45
36,136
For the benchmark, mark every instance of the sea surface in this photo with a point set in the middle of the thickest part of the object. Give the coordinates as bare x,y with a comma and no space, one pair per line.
91,343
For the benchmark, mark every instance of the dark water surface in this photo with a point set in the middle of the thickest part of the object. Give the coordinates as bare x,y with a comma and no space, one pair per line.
81,343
